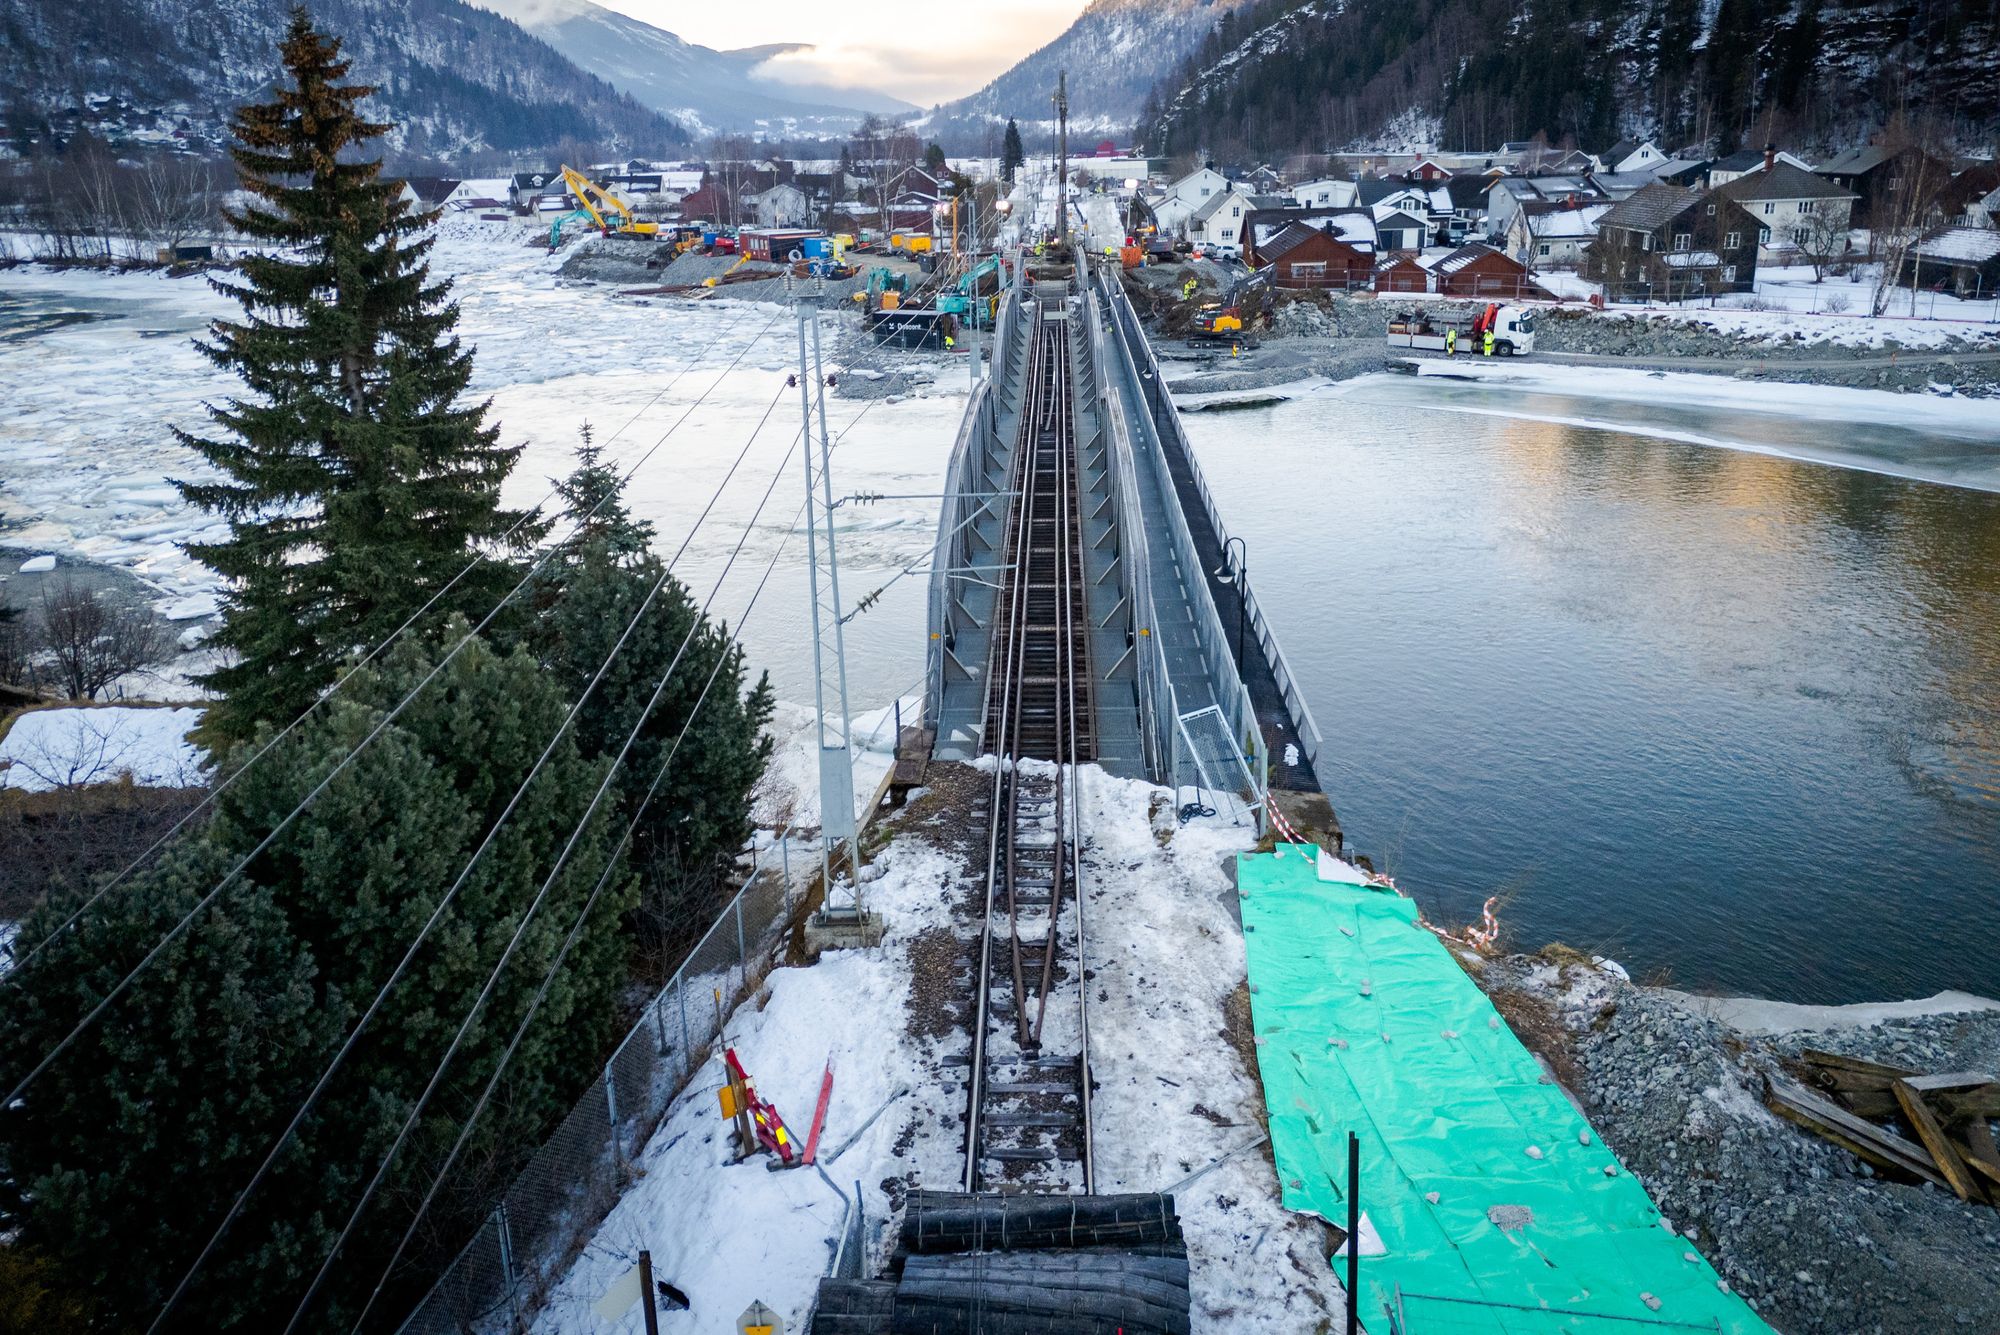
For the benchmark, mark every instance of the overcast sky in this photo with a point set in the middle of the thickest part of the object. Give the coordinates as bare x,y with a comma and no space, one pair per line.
923,53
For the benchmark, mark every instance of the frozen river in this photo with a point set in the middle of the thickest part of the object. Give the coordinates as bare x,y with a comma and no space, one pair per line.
1702,675
98,370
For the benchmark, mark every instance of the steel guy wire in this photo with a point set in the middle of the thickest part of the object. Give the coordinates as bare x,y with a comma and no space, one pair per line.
611,865
603,879
534,906
437,913
381,725
208,798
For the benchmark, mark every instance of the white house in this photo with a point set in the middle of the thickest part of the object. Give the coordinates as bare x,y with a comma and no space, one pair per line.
1397,230
1745,161
1325,194
1800,214
1633,155
1219,219
1184,196
780,206
1548,235
485,193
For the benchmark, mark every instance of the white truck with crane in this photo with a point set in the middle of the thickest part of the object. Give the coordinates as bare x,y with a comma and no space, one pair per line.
1512,329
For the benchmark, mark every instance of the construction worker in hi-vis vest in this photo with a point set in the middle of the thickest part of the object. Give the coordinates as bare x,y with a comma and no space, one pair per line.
1487,348
1450,342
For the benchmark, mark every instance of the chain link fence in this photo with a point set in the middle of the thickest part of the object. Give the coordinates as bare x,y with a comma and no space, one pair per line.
569,1186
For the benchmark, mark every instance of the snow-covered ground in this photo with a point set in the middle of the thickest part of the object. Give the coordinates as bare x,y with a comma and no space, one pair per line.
101,367
1173,1097
83,744
1836,310
1964,418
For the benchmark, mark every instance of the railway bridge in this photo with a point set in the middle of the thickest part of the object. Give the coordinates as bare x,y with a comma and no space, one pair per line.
1083,609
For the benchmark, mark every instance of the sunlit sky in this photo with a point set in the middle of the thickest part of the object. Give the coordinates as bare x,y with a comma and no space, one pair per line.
923,53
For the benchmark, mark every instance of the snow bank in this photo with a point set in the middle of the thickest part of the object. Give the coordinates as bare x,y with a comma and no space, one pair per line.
68,747
1756,1015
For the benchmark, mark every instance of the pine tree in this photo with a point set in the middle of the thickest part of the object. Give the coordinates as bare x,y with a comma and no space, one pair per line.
1011,153
354,481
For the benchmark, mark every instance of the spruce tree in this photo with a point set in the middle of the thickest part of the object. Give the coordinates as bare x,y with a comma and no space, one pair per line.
699,816
164,1110
354,481
1011,153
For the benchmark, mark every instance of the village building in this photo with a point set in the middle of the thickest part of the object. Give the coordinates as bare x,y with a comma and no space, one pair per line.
1397,230
481,193
1972,196
1797,213
1632,155
1669,244
1218,222
1481,273
1554,234
524,187
1179,201
1964,261
1302,255
1883,182
1401,271
780,206
1325,193
1745,161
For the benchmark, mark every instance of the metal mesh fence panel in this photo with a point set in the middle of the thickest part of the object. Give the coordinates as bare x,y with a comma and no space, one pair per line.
578,1173
1421,1314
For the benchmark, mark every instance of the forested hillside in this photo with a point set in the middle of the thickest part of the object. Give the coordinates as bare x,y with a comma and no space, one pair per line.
1317,74
454,77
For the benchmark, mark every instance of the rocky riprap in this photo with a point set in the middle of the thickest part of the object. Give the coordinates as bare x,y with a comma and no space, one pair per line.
1801,1228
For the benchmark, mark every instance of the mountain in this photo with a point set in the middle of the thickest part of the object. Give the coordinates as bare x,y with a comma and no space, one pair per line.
1323,74
454,78
1115,52
709,89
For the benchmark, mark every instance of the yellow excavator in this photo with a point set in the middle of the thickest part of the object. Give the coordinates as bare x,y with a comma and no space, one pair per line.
597,206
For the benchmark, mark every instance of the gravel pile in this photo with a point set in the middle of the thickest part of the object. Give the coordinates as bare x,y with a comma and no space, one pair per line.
1801,1228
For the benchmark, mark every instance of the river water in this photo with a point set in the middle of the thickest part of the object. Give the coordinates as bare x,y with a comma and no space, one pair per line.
1726,715
1729,717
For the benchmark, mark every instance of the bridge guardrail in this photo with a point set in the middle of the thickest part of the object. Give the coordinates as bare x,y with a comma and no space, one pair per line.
1166,421
1209,635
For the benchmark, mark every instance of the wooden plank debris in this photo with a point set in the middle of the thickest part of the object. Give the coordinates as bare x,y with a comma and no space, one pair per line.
1884,1149
1948,1111
1943,1153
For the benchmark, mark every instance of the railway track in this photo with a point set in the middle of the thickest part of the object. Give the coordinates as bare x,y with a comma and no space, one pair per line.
1028,1119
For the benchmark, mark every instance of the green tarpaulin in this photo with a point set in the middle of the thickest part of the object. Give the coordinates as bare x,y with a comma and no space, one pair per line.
1497,1207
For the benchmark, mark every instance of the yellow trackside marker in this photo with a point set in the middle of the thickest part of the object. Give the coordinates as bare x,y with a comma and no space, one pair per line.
727,1094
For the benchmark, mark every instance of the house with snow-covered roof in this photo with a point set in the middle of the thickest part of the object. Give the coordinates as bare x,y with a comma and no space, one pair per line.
1744,161
1180,199
1632,155
1325,193
1964,261
1553,234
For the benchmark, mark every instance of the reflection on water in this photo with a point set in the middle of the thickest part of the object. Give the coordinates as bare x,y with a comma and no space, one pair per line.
1720,714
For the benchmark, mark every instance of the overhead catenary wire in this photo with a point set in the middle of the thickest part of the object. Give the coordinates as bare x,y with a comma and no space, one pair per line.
437,913
209,798
380,726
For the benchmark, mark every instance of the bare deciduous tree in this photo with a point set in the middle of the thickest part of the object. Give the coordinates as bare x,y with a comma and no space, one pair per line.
87,641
